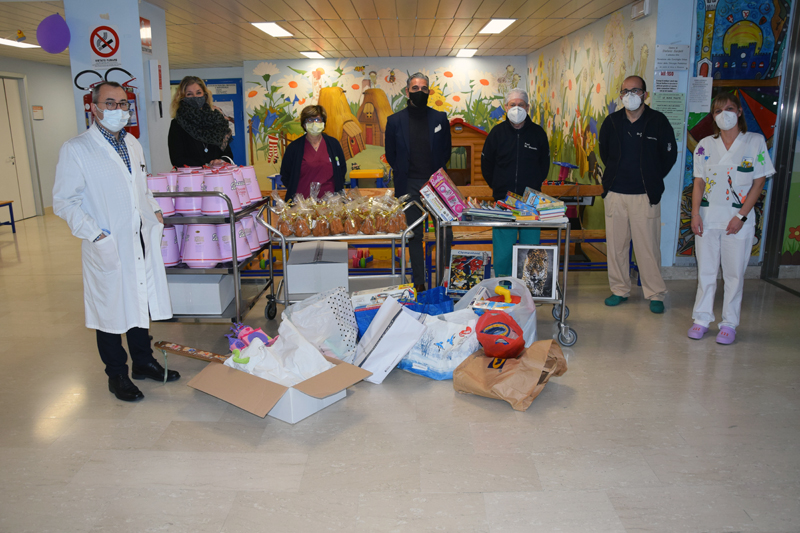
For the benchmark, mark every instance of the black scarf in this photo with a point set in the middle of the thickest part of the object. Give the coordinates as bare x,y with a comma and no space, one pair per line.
204,124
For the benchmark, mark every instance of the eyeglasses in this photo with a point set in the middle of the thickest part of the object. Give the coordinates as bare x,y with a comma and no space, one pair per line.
112,105
523,106
636,91
315,120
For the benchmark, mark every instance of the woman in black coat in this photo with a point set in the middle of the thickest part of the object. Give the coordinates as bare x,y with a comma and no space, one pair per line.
199,133
305,162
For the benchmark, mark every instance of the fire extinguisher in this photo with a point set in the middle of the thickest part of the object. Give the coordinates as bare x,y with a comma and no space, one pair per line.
133,122
130,94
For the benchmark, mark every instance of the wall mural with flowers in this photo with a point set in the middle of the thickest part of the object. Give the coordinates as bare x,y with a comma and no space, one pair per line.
359,94
574,84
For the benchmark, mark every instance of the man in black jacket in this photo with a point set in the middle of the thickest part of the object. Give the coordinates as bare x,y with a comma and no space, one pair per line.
637,145
417,145
516,155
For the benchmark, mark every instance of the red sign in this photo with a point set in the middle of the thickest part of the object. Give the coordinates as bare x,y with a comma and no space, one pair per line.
104,41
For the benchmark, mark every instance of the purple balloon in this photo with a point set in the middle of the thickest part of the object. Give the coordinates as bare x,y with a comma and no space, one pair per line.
53,34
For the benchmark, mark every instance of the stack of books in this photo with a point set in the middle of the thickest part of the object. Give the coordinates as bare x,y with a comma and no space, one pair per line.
546,206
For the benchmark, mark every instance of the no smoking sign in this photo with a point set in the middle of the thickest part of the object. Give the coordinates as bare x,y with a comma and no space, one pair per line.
105,43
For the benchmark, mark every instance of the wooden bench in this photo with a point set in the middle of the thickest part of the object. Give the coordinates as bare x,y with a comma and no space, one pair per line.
7,203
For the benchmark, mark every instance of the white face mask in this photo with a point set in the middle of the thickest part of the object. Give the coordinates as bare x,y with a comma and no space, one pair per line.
315,128
632,101
726,120
516,115
114,120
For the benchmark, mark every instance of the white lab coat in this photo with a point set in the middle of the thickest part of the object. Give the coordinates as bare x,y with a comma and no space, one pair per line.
95,191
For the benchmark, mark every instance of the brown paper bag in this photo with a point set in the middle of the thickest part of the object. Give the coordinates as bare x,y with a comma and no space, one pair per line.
517,381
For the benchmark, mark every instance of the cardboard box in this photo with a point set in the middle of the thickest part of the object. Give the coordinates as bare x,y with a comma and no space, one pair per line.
263,397
448,192
317,266
371,297
193,294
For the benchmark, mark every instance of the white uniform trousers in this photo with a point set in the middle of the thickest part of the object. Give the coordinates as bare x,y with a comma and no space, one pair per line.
713,249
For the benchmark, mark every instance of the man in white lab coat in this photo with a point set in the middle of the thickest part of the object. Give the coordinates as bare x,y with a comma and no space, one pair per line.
101,192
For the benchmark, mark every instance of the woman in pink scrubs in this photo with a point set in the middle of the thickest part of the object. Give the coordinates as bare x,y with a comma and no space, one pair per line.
314,157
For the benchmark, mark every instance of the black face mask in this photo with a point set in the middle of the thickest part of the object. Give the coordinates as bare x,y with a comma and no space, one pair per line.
419,99
198,101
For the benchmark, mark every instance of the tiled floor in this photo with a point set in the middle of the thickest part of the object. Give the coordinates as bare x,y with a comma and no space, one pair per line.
647,431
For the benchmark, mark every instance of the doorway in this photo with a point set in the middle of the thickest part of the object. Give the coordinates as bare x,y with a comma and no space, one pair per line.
15,178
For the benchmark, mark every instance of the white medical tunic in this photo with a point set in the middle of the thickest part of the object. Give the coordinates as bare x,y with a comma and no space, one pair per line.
729,175
95,191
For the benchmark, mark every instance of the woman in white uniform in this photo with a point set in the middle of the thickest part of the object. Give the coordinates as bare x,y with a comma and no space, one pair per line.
730,168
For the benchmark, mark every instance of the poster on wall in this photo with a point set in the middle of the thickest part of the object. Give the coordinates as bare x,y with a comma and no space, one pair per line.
673,105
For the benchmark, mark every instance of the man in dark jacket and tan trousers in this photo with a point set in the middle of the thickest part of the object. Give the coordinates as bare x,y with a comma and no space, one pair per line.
637,145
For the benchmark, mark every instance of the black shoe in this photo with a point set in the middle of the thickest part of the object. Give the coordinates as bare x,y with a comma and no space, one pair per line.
154,371
419,288
124,389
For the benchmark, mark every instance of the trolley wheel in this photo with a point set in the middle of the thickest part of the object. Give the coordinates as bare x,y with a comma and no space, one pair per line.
567,337
557,312
271,309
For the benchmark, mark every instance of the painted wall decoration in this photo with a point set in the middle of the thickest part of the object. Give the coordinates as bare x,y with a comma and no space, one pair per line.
740,44
360,94
790,252
574,84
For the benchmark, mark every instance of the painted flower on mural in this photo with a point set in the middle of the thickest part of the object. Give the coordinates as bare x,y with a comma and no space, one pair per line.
457,101
352,88
613,40
340,68
255,97
540,66
294,87
570,90
597,97
389,80
437,100
794,233
565,51
266,69
588,42
484,84
450,78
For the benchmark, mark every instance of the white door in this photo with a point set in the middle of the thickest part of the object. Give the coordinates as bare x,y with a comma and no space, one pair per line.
15,170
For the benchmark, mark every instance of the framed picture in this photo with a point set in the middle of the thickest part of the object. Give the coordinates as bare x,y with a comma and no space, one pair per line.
467,269
537,268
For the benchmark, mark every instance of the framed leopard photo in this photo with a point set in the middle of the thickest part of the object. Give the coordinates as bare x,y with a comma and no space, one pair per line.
537,268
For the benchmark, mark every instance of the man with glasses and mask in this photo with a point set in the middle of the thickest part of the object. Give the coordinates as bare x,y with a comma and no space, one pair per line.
101,192
417,145
637,145
516,155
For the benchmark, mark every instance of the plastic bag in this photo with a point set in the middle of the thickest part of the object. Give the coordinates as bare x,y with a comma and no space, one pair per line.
290,360
447,341
327,321
391,335
524,312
